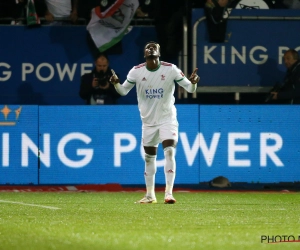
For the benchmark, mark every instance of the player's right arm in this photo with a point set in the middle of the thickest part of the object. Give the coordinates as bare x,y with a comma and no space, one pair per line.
190,85
121,89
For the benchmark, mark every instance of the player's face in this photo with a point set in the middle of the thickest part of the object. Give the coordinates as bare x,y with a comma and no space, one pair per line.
151,50
101,64
288,59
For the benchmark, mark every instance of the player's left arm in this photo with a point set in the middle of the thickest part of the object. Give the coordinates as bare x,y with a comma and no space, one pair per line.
190,85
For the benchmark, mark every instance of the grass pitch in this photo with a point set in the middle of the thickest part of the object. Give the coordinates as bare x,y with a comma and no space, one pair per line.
204,220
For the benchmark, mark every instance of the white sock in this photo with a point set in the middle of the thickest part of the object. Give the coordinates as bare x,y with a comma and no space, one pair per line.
150,170
170,168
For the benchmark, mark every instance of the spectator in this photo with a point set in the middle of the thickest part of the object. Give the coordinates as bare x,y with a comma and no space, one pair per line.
290,91
85,8
95,87
197,4
40,7
168,18
51,9
145,9
292,4
13,11
216,23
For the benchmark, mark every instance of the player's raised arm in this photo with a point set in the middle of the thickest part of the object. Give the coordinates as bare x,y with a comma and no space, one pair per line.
189,84
121,89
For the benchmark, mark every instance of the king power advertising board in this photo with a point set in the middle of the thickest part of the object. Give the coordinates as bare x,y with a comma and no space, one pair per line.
43,65
252,52
99,145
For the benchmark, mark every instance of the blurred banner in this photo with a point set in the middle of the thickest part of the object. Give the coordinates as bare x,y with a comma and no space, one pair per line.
100,145
253,49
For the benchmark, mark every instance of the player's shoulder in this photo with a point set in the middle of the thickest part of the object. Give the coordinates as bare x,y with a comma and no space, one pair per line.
166,64
170,66
139,66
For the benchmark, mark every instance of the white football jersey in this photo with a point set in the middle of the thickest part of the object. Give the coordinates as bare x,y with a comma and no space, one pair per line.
155,91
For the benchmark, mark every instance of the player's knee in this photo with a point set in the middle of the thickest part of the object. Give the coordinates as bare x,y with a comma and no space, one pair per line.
169,152
170,165
150,158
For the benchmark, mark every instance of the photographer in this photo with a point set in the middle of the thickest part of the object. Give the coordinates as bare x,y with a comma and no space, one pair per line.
289,93
95,88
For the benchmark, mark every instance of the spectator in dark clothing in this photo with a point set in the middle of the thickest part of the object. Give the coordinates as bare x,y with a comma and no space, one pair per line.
216,23
145,9
12,9
85,8
168,20
292,4
197,3
40,7
290,91
95,88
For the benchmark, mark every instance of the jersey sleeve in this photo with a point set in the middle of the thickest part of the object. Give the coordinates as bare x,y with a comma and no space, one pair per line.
178,74
131,76
183,81
127,85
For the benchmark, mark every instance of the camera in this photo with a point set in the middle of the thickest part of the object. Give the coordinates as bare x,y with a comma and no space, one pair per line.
102,78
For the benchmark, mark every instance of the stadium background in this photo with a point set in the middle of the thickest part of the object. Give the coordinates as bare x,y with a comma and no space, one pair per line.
245,143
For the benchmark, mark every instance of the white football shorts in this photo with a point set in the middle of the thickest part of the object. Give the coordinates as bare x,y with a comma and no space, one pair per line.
153,135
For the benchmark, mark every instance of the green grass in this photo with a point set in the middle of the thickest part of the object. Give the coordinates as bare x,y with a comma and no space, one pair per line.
112,221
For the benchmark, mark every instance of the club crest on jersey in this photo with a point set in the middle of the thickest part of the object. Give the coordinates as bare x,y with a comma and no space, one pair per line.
154,93
144,79
163,77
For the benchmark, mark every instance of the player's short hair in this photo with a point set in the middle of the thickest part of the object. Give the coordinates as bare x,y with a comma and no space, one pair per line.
294,53
157,44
